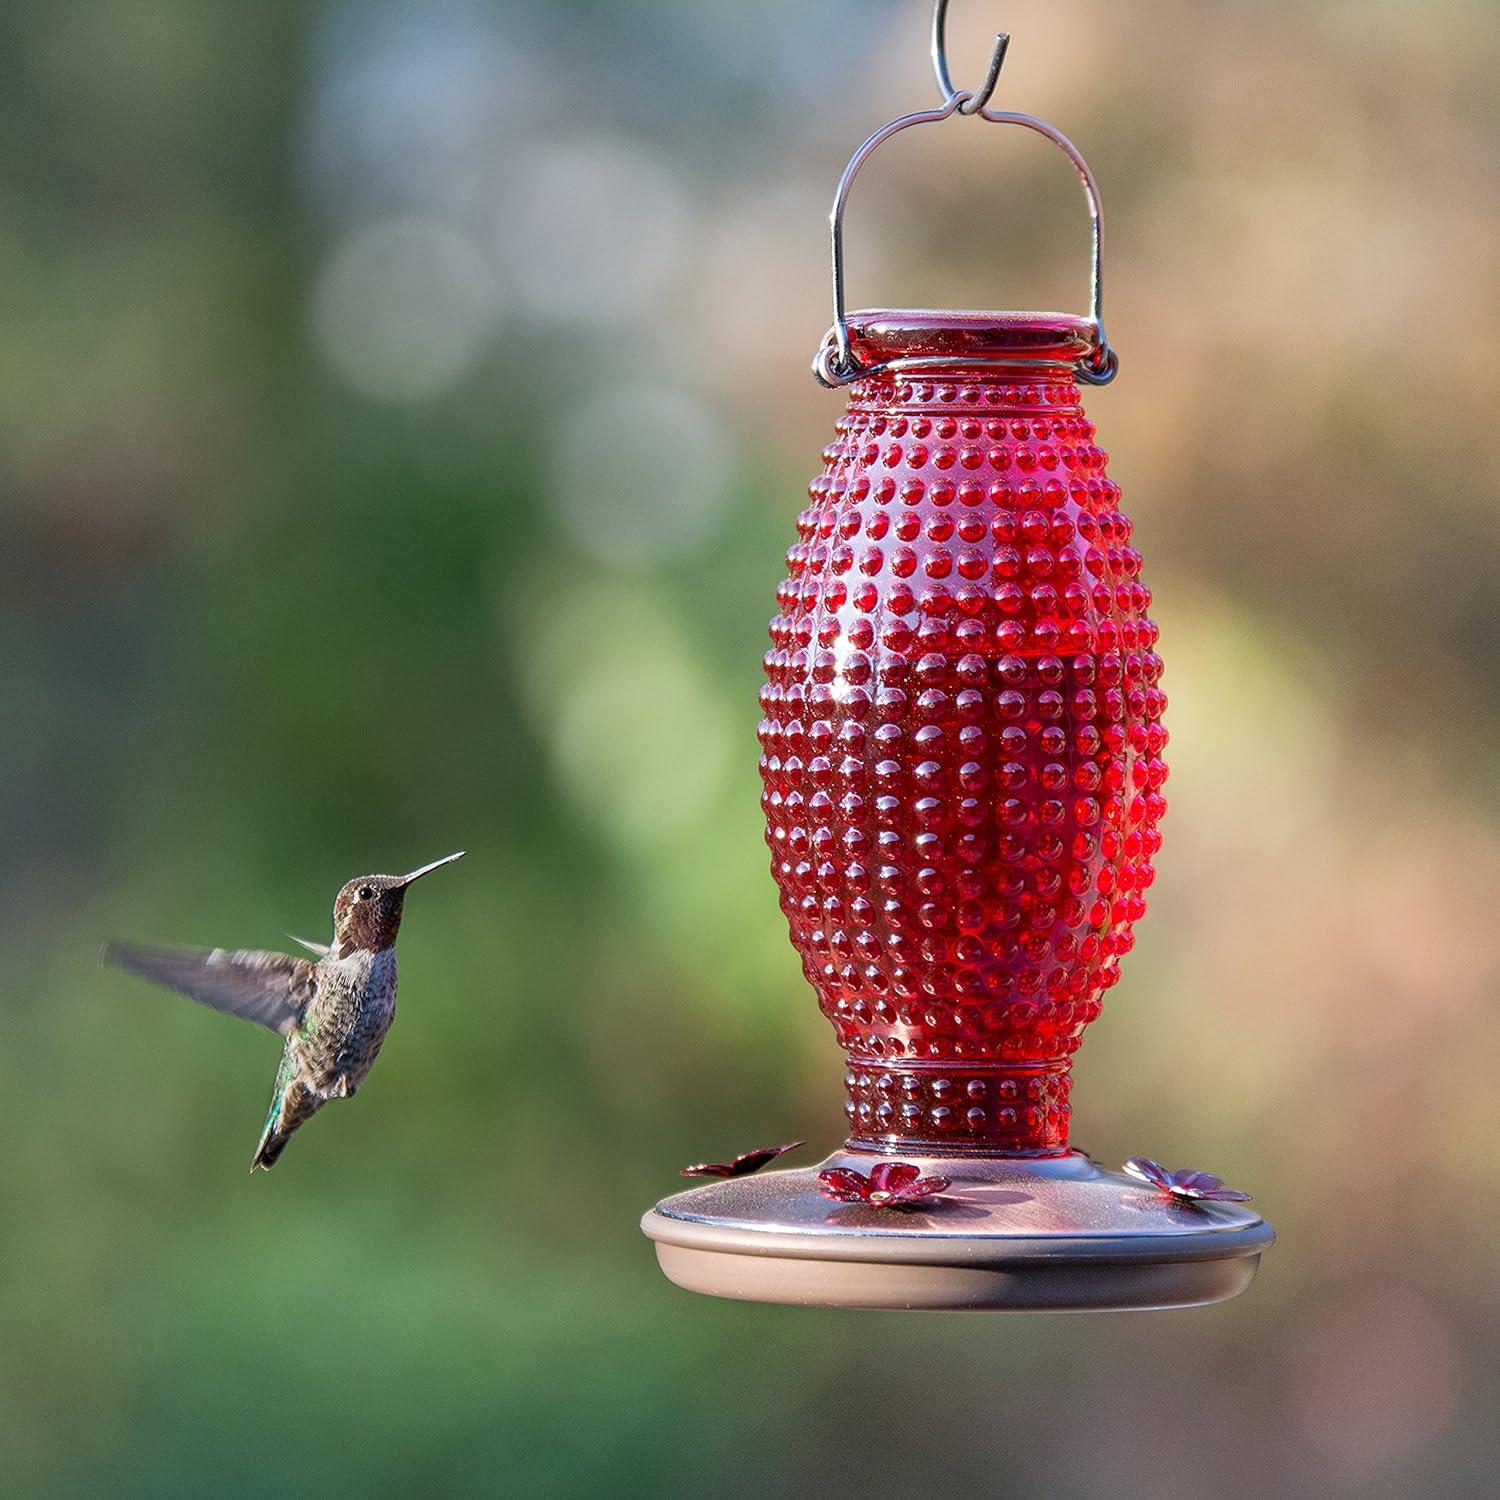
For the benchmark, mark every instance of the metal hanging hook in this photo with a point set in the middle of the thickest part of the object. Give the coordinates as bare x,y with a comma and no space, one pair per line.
835,363
969,102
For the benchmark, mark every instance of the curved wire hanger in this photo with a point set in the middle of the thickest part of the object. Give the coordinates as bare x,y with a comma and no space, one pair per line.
835,363
981,96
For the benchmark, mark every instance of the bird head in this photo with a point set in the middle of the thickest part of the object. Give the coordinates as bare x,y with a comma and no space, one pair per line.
367,912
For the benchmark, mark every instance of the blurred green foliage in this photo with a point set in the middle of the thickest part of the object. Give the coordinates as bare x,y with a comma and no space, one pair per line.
315,559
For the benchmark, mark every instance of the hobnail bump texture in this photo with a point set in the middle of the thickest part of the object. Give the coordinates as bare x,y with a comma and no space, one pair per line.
962,735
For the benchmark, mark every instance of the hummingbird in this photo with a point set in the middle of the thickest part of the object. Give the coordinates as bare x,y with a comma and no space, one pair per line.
334,1009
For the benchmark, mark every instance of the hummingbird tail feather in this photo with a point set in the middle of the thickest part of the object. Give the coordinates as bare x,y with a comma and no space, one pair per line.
292,1107
271,1146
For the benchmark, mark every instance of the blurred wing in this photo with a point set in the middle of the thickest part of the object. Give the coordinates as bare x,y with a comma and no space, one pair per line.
321,949
272,988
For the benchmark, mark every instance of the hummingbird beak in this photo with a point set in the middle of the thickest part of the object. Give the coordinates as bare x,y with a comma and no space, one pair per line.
437,864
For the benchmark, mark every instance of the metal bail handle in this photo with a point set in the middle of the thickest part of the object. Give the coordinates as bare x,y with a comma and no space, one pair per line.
834,364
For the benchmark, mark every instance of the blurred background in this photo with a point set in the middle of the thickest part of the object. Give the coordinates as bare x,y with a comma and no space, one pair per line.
403,413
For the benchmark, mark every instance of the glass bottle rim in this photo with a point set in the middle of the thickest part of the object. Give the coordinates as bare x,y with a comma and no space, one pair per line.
880,336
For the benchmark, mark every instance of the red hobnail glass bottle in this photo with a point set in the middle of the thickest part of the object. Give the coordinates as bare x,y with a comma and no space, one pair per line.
962,732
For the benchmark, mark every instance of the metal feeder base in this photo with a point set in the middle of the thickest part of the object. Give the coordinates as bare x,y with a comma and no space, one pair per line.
1054,1234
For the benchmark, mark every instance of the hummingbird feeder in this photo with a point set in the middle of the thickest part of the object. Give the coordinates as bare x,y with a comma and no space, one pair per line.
962,785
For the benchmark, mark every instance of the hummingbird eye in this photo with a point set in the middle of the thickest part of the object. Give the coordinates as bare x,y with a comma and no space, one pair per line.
364,893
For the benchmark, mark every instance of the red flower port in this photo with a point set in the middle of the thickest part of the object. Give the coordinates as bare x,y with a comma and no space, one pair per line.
743,1165
891,1184
1186,1186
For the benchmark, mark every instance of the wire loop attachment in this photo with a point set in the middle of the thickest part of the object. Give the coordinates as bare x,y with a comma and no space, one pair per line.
970,101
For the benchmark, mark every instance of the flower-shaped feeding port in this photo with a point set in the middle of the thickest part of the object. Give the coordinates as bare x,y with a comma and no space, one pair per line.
891,1184
743,1165
1186,1186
